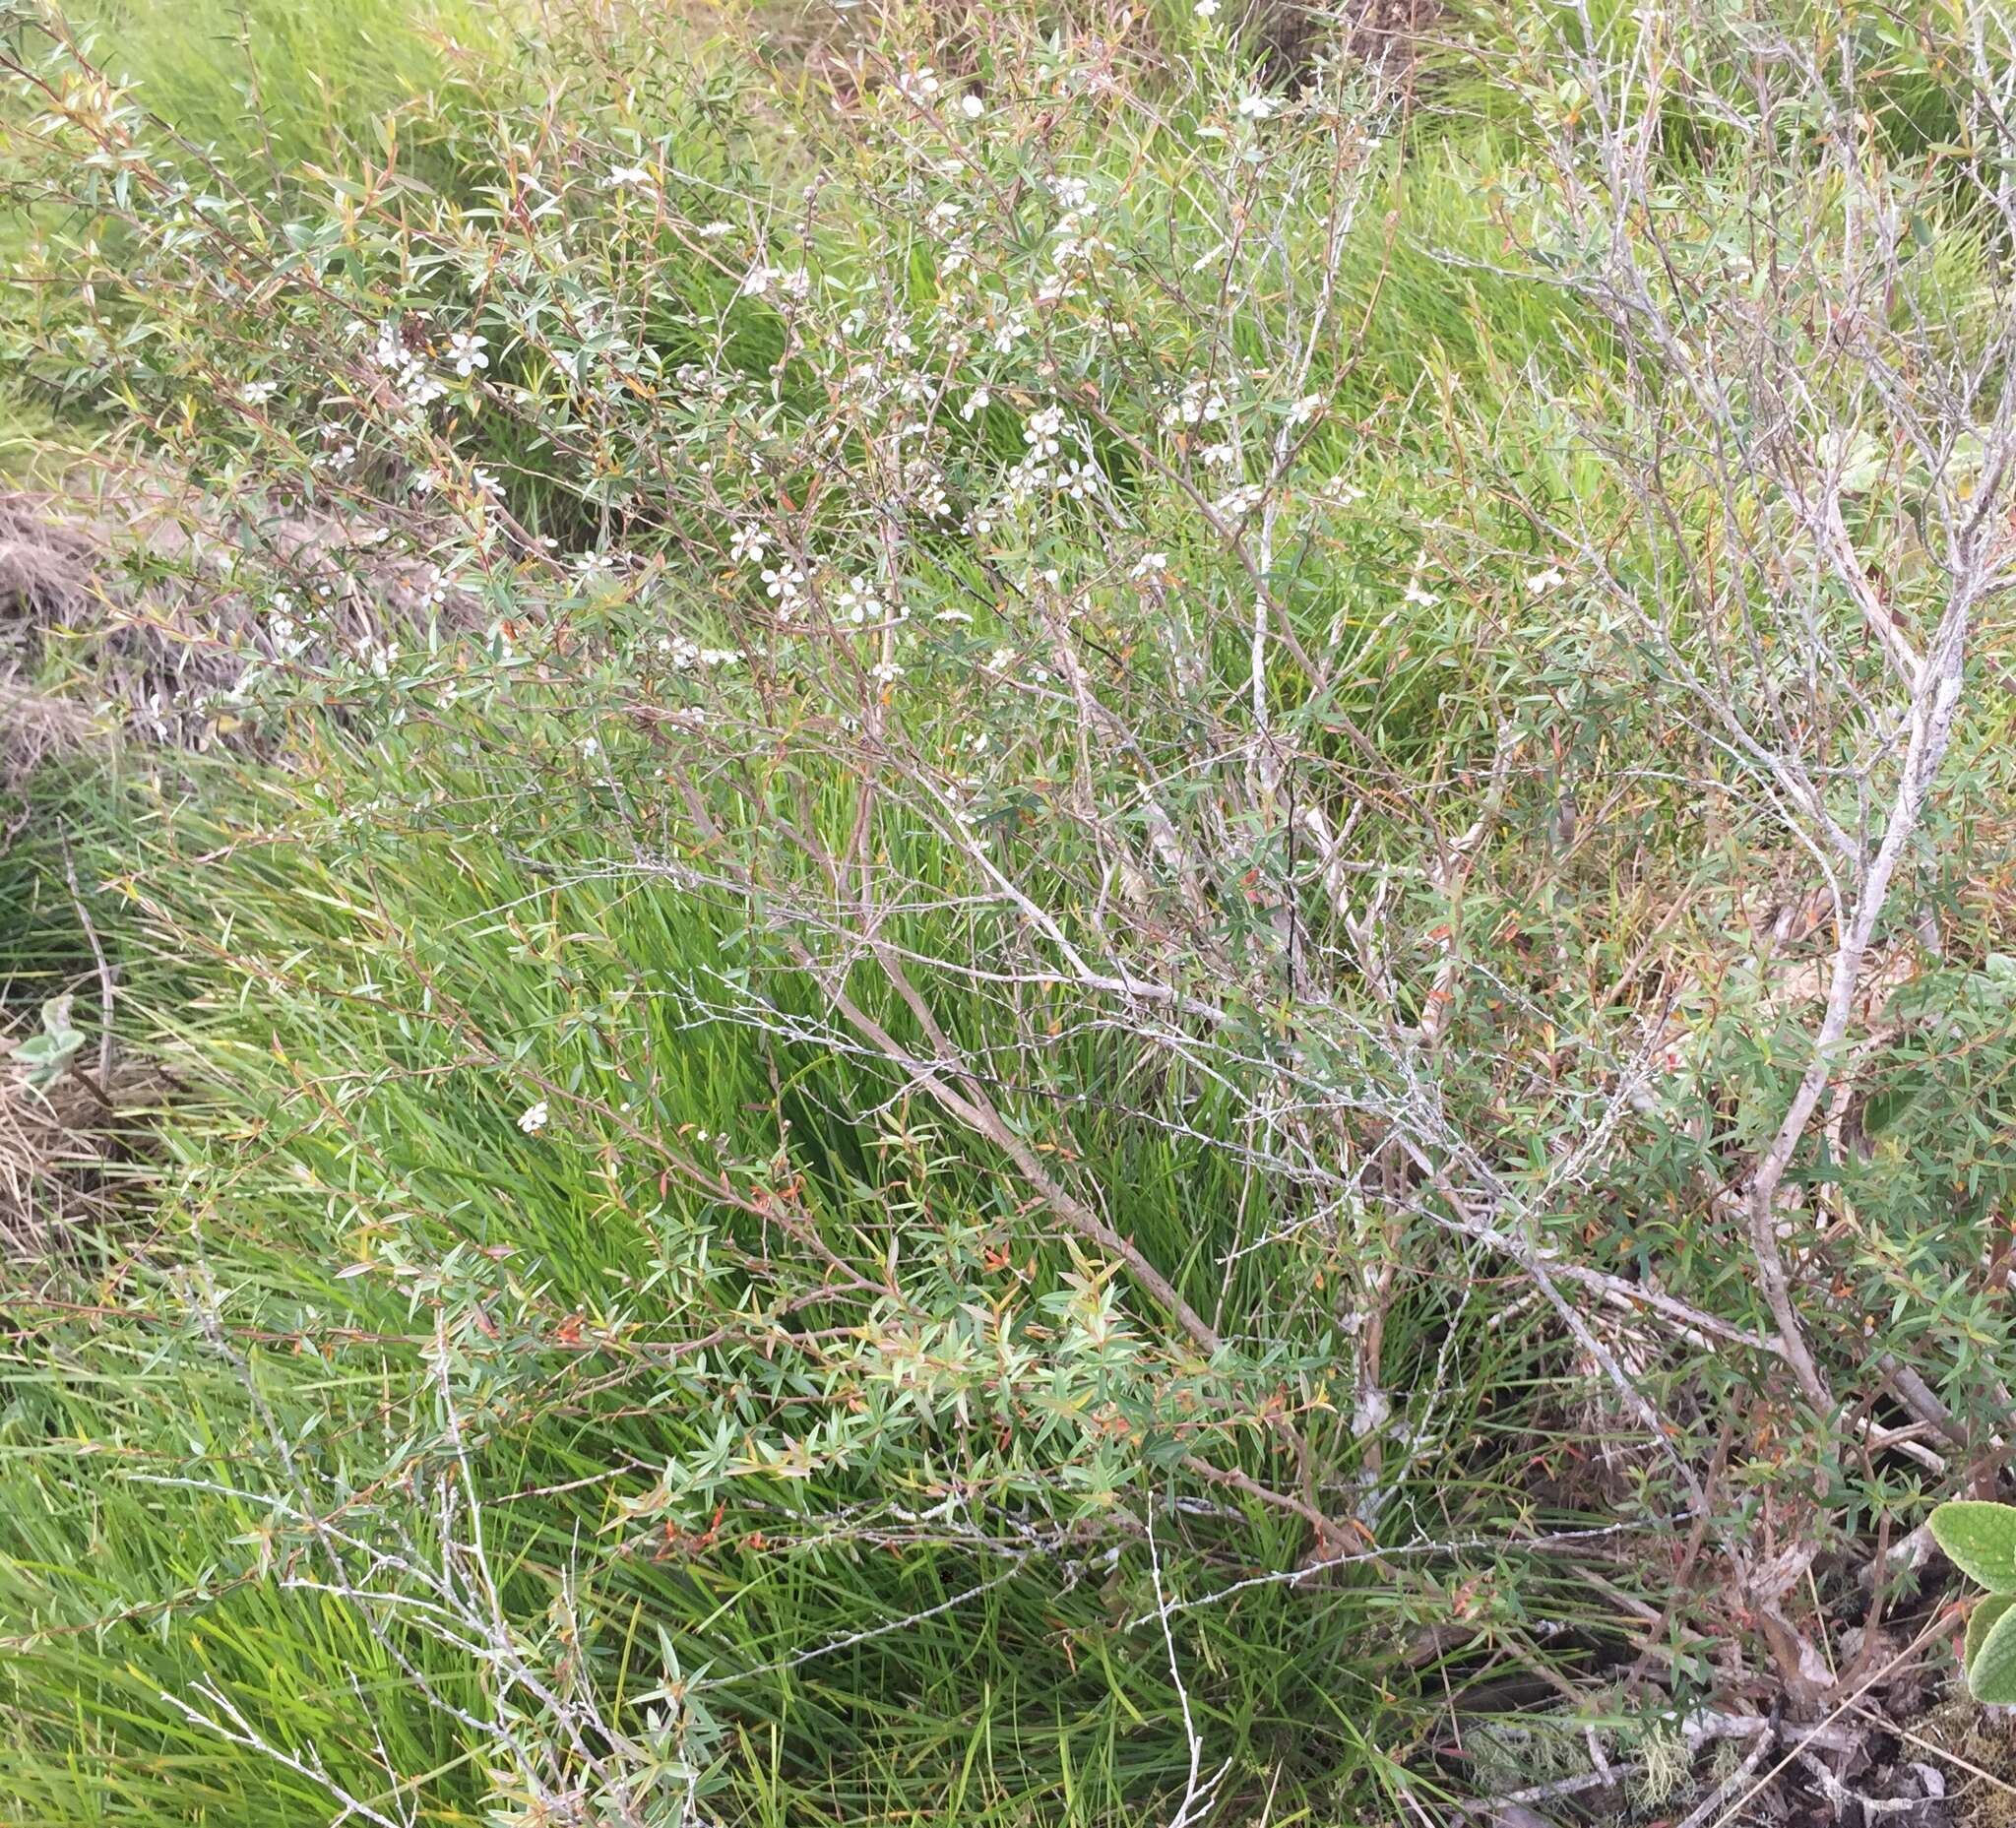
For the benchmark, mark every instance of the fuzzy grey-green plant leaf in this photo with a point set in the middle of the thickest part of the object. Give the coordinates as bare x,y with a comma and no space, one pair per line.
1992,1666
1980,1539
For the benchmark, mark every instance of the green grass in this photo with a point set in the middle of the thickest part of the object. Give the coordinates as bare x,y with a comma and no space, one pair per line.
274,88
808,1444
284,97
318,1115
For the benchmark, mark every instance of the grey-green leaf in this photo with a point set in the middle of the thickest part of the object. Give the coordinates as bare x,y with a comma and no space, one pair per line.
1980,1622
1991,1669
1980,1539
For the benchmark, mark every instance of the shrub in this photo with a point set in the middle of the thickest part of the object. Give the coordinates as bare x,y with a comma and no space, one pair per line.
1189,892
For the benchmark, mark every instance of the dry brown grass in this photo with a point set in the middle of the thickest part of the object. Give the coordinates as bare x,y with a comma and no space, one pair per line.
118,602
45,572
72,1150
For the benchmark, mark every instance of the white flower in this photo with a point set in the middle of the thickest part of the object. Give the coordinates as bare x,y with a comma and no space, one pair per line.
1305,408
1206,9
885,673
1258,108
1543,581
467,353
977,403
1197,403
1415,594
533,1118
1150,563
258,392
921,85
972,106
713,231
626,174
1235,504
1221,456
785,586
856,602
747,543
1081,480
1042,431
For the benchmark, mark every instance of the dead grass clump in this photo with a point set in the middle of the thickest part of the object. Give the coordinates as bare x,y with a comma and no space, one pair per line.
33,725
70,1148
45,566
45,571
133,595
